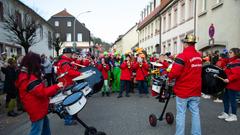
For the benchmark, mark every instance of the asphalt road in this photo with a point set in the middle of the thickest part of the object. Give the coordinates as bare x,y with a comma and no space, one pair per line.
126,116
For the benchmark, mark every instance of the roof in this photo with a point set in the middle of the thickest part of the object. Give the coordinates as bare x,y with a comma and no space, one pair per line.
153,14
63,13
34,13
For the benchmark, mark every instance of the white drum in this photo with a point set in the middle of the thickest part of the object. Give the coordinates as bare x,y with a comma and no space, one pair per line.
58,98
84,75
74,103
156,88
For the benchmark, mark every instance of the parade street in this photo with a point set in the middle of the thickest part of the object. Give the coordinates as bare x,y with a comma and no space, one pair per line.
125,116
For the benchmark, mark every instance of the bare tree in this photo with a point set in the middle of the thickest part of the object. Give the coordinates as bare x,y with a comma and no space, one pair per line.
57,44
21,31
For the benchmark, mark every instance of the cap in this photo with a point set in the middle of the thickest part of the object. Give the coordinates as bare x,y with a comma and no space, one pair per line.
189,39
68,50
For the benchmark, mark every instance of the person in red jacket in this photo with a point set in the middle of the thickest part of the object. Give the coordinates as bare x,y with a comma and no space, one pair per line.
141,68
65,66
233,87
104,68
125,78
187,70
34,94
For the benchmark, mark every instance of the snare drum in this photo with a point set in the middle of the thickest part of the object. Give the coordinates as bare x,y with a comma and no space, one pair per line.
74,103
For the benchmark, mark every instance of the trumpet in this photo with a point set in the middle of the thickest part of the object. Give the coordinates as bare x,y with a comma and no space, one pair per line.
140,64
129,64
104,65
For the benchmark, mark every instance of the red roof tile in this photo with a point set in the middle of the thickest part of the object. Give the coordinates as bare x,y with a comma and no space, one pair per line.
63,13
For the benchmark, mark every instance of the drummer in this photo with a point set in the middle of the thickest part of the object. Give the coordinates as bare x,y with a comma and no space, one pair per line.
64,66
34,94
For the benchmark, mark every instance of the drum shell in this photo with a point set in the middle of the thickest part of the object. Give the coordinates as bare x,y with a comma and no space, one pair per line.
210,84
76,106
95,81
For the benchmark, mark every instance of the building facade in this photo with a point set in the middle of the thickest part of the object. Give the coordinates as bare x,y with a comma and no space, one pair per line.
128,41
70,31
43,34
224,16
177,20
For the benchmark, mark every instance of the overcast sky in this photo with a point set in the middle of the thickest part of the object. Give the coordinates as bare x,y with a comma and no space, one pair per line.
108,19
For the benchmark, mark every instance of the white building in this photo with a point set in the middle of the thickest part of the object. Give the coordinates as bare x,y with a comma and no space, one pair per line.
224,15
127,41
149,27
44,33
177,20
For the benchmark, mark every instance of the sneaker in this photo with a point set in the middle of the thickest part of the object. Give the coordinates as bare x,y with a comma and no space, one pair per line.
217,100
223,115
12,114
232,117
119,96
206,96
127,95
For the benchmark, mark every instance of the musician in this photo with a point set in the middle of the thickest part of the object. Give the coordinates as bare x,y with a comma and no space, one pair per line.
233,80
64,65
141,68
104,68
34,94
164,63
187,70
116,72
126,72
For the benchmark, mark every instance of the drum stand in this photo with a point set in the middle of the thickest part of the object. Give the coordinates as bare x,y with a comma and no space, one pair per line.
169,116
89,130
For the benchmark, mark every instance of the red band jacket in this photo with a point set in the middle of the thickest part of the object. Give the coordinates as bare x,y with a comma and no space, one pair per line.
187,70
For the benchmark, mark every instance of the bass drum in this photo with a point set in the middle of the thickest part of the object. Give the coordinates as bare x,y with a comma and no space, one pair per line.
212,85
95,81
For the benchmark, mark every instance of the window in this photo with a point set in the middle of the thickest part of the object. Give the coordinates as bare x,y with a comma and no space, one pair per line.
41,31
1,11
69,24
79,37
57,35
204,5
164,24
175,47
169,47
18,18
175,18
218,1
169,20
191,8
56,23
152,30
69,37
182,12
49,39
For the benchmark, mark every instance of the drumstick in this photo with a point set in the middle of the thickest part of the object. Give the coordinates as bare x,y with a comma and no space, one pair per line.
216,76
78,64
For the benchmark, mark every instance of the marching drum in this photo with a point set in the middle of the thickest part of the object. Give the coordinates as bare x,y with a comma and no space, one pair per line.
74,103
83,87
211,84
95,81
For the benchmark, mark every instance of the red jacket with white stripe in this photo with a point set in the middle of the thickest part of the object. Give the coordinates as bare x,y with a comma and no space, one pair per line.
141,72
126,72
187,70
104,70
233,74
34,95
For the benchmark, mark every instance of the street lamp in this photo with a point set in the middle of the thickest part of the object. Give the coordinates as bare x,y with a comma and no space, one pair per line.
74,28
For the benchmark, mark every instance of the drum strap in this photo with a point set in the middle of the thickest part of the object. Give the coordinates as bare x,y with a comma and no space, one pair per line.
179,61
33,84
233,65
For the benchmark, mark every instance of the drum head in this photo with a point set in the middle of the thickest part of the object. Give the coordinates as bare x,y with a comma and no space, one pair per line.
95,81
72,99
210,84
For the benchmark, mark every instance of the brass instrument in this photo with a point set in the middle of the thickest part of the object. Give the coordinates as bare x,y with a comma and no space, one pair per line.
156,72
128,64
140,64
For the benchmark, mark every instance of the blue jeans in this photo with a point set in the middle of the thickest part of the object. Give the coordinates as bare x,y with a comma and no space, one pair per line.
40,127
229,97
124,84
142,87
192,103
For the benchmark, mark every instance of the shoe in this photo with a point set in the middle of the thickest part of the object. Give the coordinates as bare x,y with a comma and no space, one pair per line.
223,115
232,117
12,114
217,100
108,94
103,94
127,95
119,96
206,96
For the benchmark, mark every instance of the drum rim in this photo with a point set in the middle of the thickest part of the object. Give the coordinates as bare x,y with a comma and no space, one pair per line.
85,84
74,101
